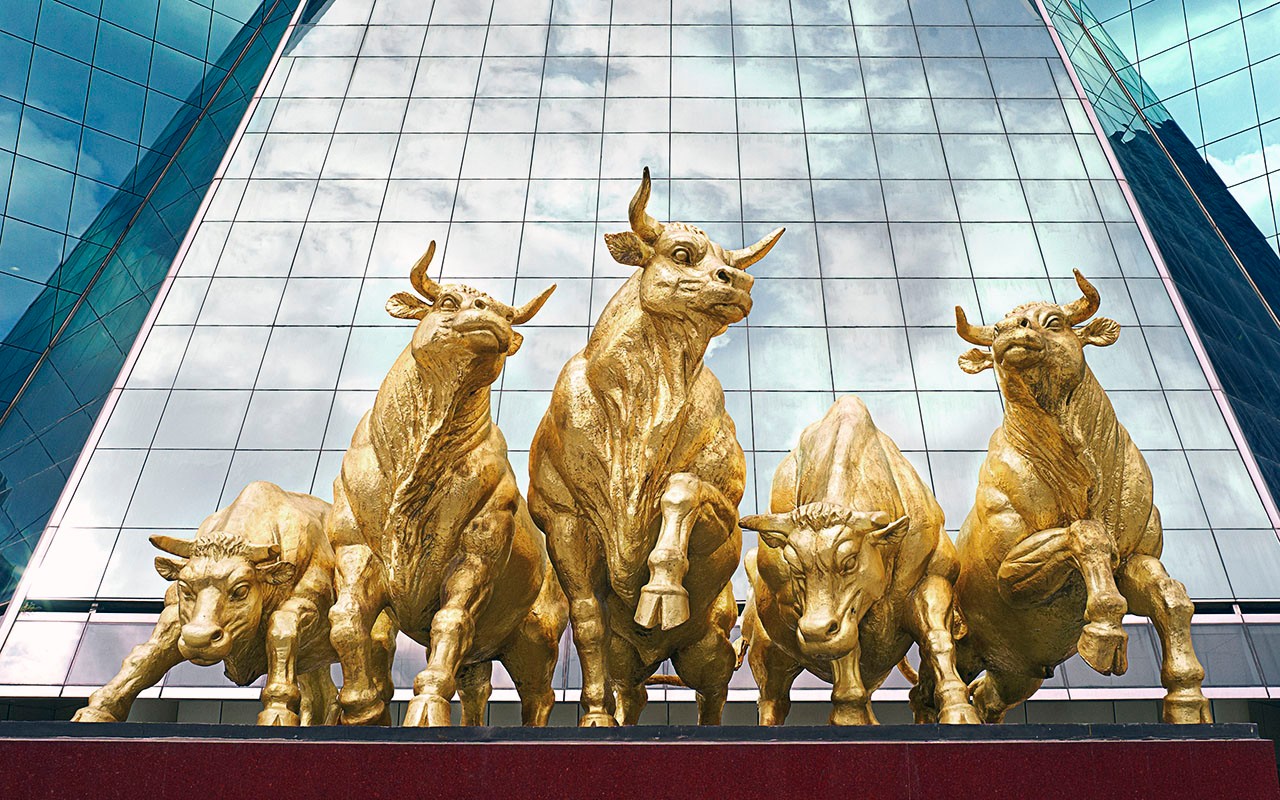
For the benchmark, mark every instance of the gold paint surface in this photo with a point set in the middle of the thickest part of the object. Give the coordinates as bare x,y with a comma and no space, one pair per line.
1063,537
430,533
252,591
636,473
854,566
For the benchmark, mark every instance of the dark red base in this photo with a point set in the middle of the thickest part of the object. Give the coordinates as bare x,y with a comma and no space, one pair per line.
824,765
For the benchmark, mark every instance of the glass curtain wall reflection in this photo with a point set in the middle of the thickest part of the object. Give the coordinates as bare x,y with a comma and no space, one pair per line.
111,125
921,154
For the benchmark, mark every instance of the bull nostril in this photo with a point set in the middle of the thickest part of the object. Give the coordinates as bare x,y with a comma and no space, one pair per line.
832,628
722,275
216,636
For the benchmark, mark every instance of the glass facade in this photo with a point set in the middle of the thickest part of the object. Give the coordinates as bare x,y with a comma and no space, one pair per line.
1225,270
1212,65
113,117
921,154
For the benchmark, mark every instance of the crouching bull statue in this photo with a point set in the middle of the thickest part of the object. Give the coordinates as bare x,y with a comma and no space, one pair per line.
855,565
252,591
429,529
636,472
1063,537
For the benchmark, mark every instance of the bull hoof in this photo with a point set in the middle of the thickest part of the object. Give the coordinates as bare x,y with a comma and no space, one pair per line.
91,714
1102,645
597,719
1187,707
851,715
427,711
961,714
661,606
278,716
376,714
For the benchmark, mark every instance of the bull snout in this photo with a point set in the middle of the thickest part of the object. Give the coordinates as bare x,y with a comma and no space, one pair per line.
817,629
487,323
204,642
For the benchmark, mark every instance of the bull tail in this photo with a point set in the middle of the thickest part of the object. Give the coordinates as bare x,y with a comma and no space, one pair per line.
740,646
908,671
665,680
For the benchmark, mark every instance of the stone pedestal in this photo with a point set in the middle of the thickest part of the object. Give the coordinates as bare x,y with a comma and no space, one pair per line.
1044,762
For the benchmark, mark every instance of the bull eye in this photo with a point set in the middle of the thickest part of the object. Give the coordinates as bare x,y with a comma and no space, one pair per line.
240,592
682,255
1024,323
480,304
447,304
185,591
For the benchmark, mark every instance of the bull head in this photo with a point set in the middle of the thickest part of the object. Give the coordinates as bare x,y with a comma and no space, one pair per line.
685,273
221,582
1039,335
836,560
456,315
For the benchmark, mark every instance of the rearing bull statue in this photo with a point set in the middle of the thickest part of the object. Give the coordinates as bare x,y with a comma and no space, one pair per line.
636,472
428,524
1063,537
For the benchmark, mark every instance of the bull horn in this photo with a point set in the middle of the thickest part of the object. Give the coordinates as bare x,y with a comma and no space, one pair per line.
645,226
981,335
1080,310
775,523
525,312
418,275
258,553
749,255
178,547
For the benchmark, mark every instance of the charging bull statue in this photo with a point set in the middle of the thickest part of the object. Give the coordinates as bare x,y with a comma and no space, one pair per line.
429,527
252,591
1063,537
636,472
854,566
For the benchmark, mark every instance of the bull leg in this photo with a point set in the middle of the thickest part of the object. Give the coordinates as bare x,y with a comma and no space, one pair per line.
580,566
531,662
475,685
281,697
774,672
453,628
362,596
1152,593
850,700
319,697
627,675
995,692
143,668
664,600
1041,564
933,607
706,667
384,653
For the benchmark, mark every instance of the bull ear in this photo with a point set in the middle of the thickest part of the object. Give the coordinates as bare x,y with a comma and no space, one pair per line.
628,248
892,533
403,305
277,572
516,341
169,567
975,361
1100,331
773,528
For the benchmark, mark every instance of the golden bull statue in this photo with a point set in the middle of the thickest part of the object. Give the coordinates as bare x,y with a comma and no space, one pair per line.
252,591
636,472
1063,537
429,529
854,566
